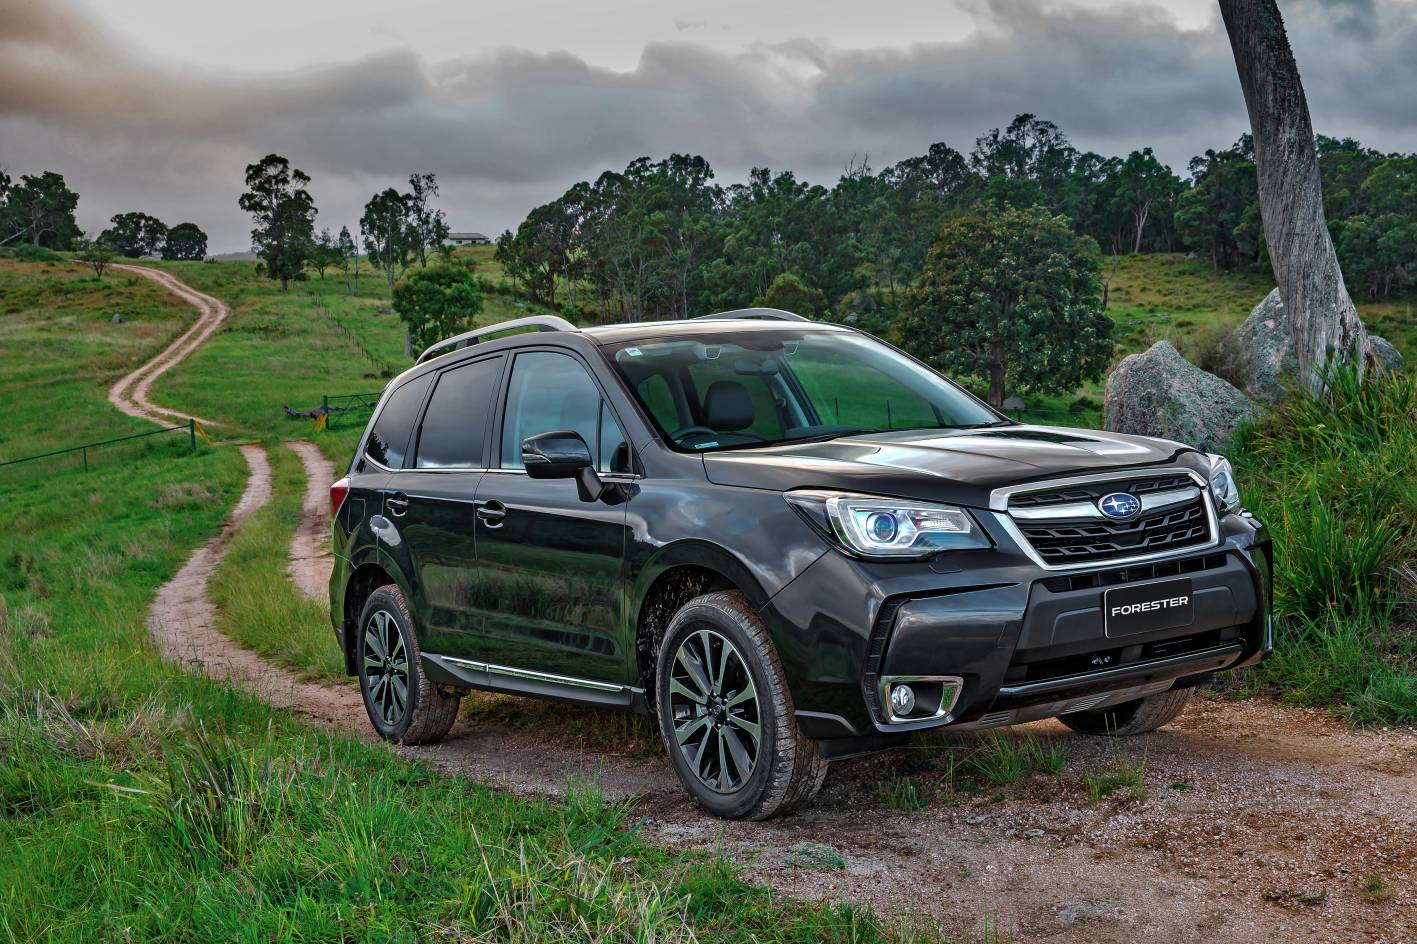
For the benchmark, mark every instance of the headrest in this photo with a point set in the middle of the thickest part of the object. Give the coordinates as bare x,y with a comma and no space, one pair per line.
727,406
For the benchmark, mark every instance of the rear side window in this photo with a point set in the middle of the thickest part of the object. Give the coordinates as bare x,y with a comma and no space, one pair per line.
388,440
455,422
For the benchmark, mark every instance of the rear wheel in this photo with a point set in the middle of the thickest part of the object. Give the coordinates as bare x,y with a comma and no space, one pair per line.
726,716
403,705
1131,717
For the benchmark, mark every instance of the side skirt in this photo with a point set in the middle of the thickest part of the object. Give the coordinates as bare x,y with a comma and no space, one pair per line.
489,677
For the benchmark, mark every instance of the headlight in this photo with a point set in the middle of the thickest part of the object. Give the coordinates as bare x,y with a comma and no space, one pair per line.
889,528
1222,485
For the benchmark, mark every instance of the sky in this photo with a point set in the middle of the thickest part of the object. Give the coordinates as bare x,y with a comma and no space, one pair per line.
158,105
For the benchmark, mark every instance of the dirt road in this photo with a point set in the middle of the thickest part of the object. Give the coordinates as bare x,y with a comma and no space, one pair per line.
1256,822
130,393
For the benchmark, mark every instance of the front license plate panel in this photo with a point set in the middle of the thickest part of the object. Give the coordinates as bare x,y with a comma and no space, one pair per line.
1148,608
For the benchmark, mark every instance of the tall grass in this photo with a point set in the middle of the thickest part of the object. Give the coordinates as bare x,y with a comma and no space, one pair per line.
1335,478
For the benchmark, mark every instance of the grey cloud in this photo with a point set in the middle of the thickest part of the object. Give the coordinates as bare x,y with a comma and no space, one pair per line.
513,128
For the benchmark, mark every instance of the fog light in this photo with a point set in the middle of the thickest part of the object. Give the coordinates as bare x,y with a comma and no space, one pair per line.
902,700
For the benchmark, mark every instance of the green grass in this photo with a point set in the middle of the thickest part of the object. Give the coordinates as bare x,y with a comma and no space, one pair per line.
1128,779
1333,478
60,351
261,608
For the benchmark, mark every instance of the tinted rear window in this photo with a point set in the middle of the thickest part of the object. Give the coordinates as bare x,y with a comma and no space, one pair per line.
455,422
388,440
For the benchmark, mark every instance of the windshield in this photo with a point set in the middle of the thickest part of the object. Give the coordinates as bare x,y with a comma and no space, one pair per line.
740,389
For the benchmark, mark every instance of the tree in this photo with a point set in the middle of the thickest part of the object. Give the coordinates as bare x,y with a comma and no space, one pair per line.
348,251
1011,296
1323,322
789,293
284,214
185,241
41,208
430,226
324,253
135,234
437,302
1140,184
94,253
389,237
1223,188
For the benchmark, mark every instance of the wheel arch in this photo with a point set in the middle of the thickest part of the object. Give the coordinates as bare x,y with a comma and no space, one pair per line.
675,576
366,575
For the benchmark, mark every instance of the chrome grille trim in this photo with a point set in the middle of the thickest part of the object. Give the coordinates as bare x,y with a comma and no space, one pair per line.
999,505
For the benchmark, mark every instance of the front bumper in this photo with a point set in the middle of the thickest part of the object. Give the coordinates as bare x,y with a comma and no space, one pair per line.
1025,642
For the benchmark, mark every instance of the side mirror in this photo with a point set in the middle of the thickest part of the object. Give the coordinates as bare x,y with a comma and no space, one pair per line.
562,454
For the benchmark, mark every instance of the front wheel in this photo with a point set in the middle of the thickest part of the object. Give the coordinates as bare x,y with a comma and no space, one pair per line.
726,715
1131,717
403,705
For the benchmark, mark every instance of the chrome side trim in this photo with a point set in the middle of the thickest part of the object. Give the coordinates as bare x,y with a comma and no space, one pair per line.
531,675
1075,510
999,505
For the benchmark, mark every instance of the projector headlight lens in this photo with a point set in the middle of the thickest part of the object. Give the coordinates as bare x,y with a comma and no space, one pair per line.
888,528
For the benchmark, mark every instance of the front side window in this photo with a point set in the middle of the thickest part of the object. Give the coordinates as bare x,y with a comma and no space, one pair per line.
548,392
388,439
455,422
739,389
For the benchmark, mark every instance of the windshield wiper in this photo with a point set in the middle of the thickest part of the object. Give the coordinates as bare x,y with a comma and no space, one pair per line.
988,425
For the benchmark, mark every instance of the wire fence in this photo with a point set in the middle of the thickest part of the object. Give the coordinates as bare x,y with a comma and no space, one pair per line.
384,367
86,454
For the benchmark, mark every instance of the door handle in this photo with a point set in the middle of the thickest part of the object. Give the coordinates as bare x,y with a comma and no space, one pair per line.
397,503
491,513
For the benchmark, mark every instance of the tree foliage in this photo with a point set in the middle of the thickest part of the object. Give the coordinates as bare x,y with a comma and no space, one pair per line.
437,302
284,214
135,234
185,241
94,253
39,209
1010,296
389,236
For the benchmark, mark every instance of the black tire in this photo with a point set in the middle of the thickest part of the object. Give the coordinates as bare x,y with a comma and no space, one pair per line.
1131,717
786,769
425,713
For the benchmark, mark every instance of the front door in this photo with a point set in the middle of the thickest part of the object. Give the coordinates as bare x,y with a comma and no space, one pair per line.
550,563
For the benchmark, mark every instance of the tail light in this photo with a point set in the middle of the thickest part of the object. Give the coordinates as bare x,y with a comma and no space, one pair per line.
337,493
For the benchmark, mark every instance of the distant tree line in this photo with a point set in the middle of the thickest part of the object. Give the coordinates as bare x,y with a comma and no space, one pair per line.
663,239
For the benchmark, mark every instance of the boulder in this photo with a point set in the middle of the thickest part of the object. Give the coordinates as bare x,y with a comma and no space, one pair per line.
1387,355
117,318
1259,355
1160,393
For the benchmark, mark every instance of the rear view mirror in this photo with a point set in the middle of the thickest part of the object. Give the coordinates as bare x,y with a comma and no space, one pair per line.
562,454
558,455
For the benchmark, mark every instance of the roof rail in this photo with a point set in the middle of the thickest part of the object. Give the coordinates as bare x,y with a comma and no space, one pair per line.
469,338
760,314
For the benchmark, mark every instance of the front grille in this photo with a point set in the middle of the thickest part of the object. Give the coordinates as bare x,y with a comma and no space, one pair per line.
1086,541
1111,578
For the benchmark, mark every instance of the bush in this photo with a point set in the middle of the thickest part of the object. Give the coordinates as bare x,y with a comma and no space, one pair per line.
28,252
1332,476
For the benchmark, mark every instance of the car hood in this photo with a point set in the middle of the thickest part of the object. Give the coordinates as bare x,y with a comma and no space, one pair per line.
960,466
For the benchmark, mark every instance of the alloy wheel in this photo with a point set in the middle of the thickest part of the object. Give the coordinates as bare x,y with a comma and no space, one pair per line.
385,666
714,708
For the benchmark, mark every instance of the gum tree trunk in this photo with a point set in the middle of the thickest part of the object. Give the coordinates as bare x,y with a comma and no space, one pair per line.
1323,322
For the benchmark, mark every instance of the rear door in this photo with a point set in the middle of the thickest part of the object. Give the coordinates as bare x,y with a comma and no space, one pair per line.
551,564
432,501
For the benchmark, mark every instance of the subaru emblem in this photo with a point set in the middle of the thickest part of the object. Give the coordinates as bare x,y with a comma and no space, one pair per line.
1119,506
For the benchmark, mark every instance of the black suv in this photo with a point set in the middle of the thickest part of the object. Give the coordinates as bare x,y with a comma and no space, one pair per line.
787,540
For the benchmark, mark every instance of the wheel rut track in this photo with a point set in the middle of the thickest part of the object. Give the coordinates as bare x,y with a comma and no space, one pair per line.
1278,803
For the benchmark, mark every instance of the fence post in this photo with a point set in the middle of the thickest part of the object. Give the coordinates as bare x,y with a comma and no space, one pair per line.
86,458
192,432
